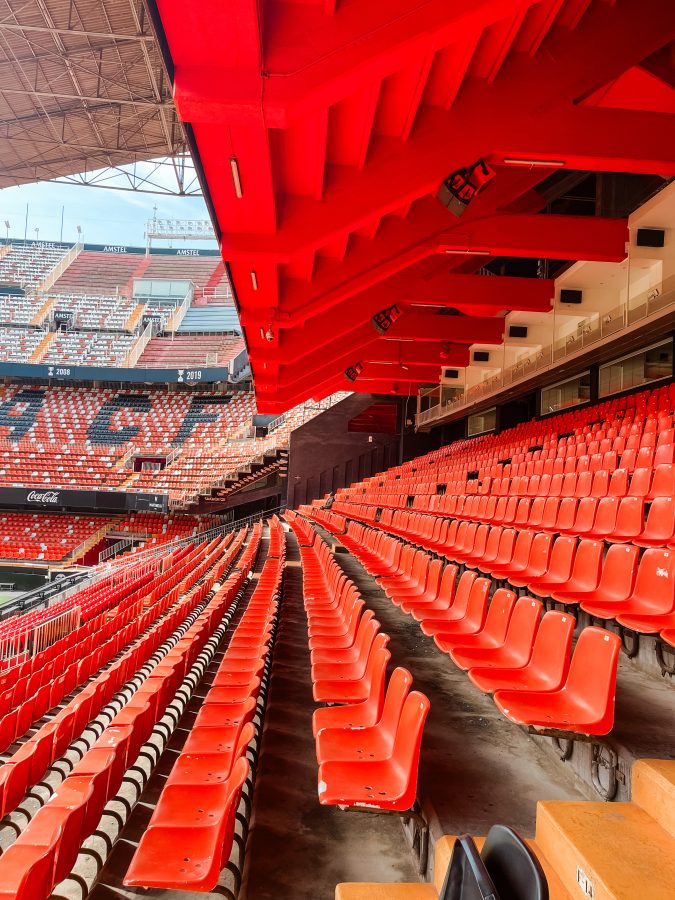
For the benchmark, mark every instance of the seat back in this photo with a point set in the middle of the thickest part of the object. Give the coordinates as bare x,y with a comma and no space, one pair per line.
397,691
499,614
551,651
467,877
407,744
592,676
655,582
515,871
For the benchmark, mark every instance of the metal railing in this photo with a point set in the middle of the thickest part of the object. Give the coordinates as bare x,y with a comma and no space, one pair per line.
139,346
53,276
589,332
114,549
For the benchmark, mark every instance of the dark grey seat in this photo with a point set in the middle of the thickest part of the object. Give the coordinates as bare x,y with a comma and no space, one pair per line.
515,871
467,877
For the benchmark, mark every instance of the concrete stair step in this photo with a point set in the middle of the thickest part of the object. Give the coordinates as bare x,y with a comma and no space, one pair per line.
607,851
653,789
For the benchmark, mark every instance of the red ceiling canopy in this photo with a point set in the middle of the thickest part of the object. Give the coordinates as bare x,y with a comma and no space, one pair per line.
325,128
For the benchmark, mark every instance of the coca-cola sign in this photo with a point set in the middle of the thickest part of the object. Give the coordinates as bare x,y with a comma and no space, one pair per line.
43,497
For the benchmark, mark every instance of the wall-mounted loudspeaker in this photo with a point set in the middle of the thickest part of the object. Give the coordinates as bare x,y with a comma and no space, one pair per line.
450,373
650,237
481,356
518,331
570,296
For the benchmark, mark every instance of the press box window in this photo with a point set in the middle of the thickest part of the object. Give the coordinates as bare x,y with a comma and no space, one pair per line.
565,394
482,422
637,369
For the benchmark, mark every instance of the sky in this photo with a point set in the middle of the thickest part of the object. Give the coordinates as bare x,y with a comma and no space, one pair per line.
105,216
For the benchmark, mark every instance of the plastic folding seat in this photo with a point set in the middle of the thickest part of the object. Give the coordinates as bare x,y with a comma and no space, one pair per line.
357,715
450,607
358,690
411,584
513,651
504,551
491,634
653,597
519,559
513,868
374,742
349,669
559,569
189,837
586,569
663,484
389,784
629,520
443,600
659,528
618,483
585,703
430,592
472,620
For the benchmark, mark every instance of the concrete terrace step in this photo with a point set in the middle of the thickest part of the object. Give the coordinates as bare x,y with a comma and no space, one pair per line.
654,791
607,851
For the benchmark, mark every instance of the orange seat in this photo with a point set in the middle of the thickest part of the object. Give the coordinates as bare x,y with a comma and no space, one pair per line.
388,784
585,703
544,670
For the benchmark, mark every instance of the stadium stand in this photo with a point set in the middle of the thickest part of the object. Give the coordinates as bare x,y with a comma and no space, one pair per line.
19,344
96,313
95,274
30,311
186,350
37,536
88,348
28,265
206,272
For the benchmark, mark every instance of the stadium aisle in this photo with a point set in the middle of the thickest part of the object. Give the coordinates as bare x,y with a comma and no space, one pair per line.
297,848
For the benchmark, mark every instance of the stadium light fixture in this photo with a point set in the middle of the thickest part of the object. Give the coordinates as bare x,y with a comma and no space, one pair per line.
7,227
236,177
534,163
254,280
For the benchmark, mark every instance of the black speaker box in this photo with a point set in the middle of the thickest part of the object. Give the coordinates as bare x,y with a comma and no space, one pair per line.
650,237
568,295
518,331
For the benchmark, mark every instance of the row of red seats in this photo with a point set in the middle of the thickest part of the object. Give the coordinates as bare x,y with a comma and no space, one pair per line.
368,748
190,835
28,764
549,692
46,850
33,695
612,583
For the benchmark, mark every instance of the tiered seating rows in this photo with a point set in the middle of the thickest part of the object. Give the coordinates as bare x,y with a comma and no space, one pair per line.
28,266
368,747
45,851
534,682
40,536
190,834
19,344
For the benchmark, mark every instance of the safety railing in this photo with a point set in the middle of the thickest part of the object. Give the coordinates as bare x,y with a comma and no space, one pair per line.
139,346
54,274
589,332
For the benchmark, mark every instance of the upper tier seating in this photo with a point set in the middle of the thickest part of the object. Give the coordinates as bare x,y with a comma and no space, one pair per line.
213,318
207,273
84,348
190,351
18,344
28,266
100,274
21,310
96,312
65,436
